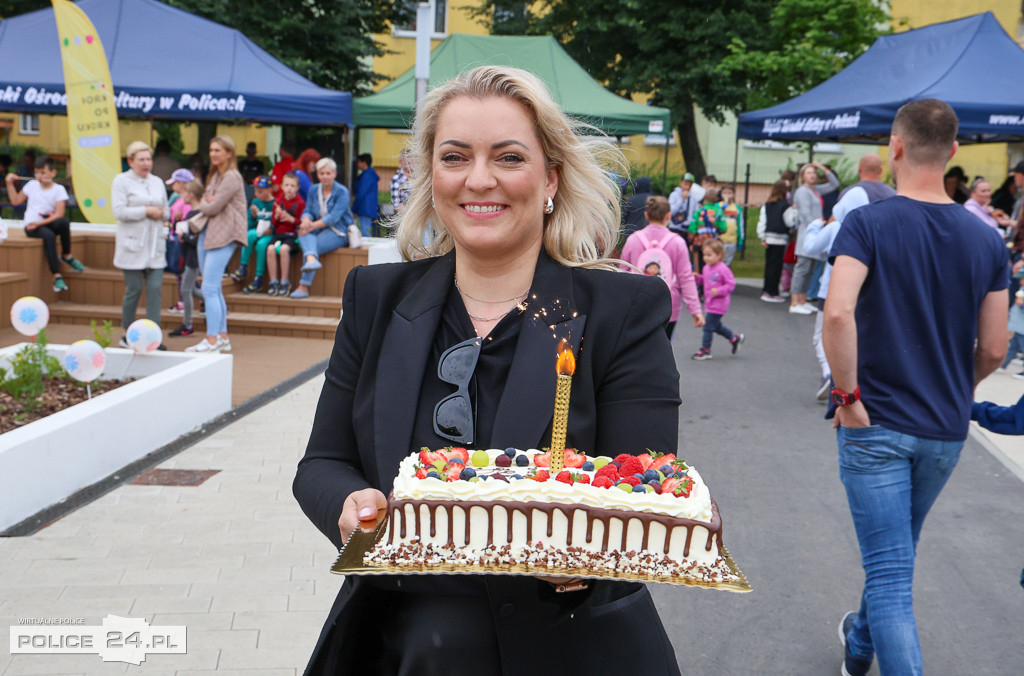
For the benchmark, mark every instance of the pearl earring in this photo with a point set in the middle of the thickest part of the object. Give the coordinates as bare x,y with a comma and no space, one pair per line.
549,206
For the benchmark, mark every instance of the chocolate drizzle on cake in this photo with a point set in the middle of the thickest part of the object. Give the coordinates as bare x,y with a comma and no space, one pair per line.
527,509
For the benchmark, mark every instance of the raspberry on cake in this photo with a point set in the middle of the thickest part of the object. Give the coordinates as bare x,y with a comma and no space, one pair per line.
627,516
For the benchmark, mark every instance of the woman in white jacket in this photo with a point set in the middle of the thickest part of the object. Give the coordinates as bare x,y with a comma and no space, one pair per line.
139,200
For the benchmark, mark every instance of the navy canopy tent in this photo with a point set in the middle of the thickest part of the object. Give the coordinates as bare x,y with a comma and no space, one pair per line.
970,63
164,63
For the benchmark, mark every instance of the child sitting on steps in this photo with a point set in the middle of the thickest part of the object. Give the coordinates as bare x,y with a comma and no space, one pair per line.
288,207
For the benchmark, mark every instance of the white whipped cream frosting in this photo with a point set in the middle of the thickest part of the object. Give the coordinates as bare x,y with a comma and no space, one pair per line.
407,487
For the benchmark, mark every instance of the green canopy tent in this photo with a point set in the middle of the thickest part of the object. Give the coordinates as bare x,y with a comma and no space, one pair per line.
580,95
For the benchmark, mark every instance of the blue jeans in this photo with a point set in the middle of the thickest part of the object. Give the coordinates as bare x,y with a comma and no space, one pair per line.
213,263
1016,345
365,224
712,325
319,242
891,481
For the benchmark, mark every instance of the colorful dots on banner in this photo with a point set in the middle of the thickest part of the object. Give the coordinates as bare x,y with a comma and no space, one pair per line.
101,85
100,202
89,39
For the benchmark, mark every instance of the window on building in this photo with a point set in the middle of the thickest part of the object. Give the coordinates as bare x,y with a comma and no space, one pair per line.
28,124
438,9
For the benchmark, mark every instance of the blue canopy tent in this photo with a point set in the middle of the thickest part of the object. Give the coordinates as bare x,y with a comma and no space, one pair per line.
970,63
165,64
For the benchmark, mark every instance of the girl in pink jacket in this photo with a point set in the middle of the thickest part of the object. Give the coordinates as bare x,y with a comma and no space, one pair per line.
718,284
656,250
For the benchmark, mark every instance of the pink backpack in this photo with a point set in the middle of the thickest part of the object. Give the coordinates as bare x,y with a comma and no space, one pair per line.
654,261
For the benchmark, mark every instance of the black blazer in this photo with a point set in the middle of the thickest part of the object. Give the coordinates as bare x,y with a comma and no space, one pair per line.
625,398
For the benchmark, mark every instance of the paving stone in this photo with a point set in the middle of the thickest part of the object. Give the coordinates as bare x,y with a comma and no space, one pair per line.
240,585
294,658
148,606
242,672
194,621
73,592
195,658
64,665
265,621
187,574
224,638
241,602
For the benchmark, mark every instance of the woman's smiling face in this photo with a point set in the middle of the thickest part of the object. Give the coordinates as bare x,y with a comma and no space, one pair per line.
490,176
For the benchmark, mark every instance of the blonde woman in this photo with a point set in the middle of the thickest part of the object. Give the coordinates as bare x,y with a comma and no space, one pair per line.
224,205
139,200
808,200
523,215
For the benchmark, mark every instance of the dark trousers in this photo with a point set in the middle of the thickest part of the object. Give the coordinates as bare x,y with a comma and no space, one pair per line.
773,258
152,280
712,325
669,328
49,233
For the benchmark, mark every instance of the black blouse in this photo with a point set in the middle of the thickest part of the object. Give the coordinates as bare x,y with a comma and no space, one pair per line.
488,384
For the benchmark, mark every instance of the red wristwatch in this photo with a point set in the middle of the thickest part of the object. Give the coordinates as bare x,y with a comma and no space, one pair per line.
841,398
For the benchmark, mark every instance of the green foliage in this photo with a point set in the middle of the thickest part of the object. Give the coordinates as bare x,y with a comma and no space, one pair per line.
28,367
667,48
104,336
9,8
805,43
327,41
170,132
655,170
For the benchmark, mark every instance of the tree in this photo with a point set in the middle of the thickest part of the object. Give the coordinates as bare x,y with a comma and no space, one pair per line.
807,42
666,48
327,41
674,49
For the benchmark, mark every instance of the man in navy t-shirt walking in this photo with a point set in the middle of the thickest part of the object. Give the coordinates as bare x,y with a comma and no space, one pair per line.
915,319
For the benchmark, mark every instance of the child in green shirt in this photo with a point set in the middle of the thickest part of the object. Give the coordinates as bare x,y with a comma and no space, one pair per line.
261,209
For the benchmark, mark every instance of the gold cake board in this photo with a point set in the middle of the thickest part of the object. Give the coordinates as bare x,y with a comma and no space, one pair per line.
350,562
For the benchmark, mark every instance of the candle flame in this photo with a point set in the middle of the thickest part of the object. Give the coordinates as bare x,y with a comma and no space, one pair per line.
566,361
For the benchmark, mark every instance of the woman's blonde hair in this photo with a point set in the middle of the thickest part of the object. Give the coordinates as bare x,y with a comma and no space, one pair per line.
582,230
800,176
136,147
227,143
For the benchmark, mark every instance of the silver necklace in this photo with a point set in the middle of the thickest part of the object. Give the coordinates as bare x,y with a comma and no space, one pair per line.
516,300
496,317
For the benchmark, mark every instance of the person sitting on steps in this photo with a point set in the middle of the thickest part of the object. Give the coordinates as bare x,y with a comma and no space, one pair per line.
44,216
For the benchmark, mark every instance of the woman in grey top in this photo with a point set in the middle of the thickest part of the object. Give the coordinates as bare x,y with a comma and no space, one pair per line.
139,201
808,202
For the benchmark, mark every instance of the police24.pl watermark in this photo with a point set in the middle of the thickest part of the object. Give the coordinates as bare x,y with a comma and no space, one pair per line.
118,639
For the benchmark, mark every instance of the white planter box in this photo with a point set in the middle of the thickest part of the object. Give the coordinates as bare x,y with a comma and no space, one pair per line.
46,461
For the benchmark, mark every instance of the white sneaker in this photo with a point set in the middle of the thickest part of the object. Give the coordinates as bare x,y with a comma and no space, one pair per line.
224,344
810,306
800,309
204,347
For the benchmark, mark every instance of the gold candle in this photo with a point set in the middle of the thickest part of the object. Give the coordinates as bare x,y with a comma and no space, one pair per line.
565,368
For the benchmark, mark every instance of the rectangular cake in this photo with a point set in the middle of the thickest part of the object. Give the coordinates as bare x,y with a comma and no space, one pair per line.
646,515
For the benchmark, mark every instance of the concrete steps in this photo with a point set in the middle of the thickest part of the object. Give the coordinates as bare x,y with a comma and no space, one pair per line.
252,323
96,293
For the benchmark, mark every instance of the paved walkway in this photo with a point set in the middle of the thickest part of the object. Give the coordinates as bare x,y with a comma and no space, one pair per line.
233,559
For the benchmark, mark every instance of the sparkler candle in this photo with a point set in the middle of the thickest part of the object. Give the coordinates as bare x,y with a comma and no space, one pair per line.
565,367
